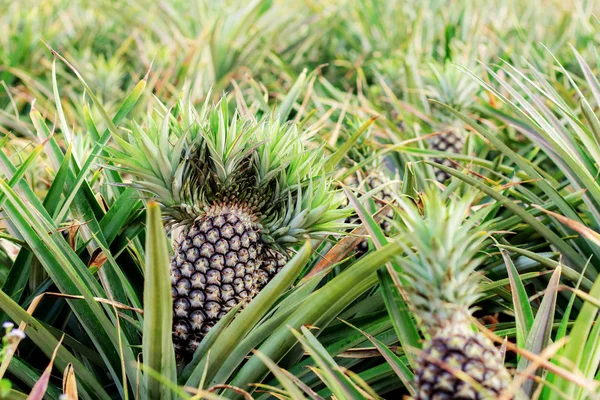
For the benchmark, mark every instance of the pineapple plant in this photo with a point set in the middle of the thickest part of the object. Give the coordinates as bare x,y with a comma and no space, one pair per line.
375,180
448,85
443,251
450,141
237,194
372,179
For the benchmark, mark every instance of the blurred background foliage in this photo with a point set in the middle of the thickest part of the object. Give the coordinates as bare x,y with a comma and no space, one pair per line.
520,77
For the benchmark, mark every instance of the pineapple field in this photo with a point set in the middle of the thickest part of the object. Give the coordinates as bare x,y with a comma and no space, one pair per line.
279,199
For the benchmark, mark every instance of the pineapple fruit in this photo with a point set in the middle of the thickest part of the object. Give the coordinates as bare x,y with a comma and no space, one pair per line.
237,195
374,180
443,250
448,85
450,142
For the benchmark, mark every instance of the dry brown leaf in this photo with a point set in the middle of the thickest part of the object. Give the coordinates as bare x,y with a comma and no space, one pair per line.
576,226
97,259
70,383
39,389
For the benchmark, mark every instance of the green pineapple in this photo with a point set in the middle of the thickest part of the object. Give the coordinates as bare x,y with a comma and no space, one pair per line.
450,86
378,181
237,195
373,181
450,142
443,249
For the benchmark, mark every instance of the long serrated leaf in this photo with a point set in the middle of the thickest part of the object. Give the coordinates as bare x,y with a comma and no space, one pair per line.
541,330
575,347
552,237
70,275
157,343
321,306
271,322
124,206
400,368
540,258
29,376
544,185
523,312
339,384
47,343
286,106
334,160
391,285
284,380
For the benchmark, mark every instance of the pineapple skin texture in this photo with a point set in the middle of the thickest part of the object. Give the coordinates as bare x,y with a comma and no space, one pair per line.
374,179
460,348
215,266
448,142
271,263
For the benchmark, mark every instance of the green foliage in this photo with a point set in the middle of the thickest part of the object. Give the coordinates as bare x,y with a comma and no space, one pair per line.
103,103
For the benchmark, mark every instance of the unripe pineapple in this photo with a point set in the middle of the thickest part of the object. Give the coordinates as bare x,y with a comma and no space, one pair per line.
214,268
379,182
443,250
237,195
458,346
449,142
450,86
272,262
373,182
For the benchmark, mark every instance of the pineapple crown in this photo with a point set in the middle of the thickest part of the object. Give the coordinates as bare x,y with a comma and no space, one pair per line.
443,247
447,84
193,160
